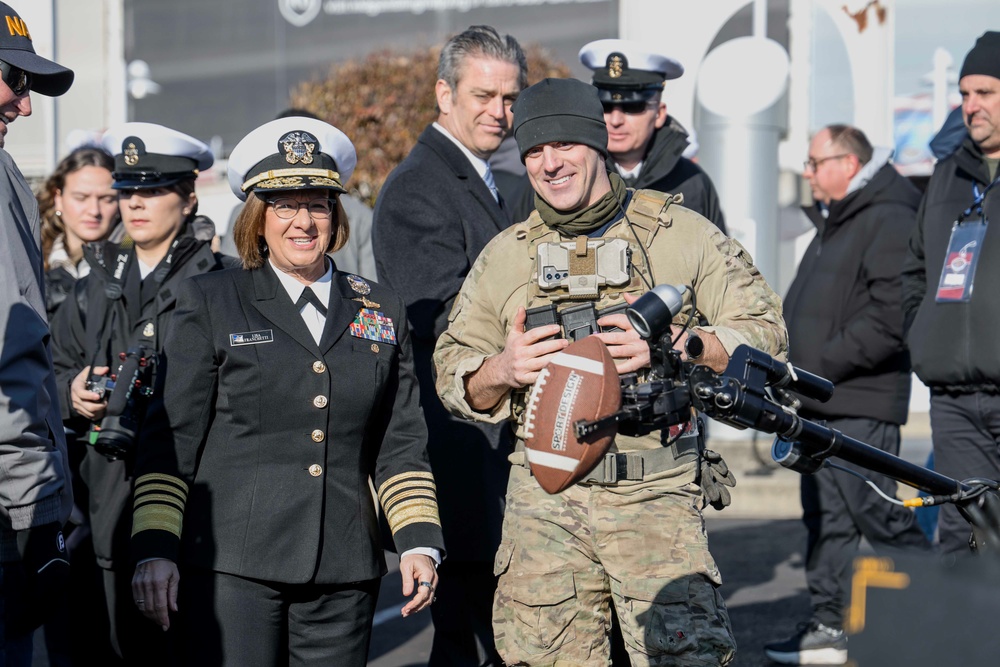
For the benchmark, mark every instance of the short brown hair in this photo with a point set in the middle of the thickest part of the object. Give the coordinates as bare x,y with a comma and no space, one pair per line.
248,232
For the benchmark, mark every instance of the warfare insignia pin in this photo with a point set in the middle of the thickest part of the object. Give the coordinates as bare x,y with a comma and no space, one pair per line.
616,64
131,155
359,285
148,330
366,302
298,147
373,325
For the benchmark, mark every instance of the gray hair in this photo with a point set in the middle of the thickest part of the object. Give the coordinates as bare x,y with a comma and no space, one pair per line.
852,140
480,41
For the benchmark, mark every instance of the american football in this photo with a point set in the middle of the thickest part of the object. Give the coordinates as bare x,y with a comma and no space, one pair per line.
581,382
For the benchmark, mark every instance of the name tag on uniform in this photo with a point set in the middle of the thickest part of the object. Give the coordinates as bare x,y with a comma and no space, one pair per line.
373,325
251,337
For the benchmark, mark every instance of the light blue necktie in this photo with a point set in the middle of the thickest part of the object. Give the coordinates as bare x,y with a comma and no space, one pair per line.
491,184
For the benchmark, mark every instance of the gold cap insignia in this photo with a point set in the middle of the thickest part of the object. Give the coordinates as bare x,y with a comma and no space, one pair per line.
616,65
298,147
131,155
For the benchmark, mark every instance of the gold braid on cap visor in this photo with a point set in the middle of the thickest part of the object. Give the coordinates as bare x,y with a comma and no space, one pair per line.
276,179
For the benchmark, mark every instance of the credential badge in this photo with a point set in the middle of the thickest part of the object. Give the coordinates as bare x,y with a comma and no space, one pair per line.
148,330
298,147
359,285
131,155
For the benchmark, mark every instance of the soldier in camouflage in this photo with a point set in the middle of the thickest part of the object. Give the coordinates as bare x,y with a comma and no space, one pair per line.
636,540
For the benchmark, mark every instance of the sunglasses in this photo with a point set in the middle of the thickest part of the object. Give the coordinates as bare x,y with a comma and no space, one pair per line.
630,108
16,78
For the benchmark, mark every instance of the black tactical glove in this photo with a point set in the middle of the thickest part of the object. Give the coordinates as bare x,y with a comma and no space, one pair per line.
715,476
46,571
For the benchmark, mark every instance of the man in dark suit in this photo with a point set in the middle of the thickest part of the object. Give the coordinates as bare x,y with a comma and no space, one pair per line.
437,210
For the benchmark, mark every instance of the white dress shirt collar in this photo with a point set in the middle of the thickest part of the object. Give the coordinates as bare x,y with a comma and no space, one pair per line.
312,317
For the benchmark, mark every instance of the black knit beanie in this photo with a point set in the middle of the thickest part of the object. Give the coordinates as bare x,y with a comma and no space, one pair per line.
984,58
559,110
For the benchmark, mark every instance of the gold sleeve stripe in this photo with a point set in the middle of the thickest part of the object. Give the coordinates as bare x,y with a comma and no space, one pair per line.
167,479
407,493
157,517
417,510
159,499
403,478
390,495
160,489
159,503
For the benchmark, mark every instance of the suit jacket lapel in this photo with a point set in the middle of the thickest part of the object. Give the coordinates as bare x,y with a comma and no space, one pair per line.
463,169
273,303
340,313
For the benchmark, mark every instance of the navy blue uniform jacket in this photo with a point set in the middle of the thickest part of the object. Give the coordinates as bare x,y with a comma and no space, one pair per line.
267,441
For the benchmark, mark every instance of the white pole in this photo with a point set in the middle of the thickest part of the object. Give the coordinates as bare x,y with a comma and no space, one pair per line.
939,80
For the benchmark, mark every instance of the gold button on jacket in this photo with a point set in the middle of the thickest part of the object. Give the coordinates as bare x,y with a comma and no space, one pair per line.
319,367
320,401
315,470
318,435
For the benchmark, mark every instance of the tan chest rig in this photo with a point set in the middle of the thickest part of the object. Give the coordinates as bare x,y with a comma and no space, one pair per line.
594,273
584,278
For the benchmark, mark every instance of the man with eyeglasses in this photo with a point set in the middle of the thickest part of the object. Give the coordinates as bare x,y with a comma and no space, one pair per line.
951,327
844,320
645,144
34,468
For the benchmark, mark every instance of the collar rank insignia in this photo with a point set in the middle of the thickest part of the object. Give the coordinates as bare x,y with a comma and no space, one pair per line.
373,325
616,65
367,303
359,285
131,155
298,147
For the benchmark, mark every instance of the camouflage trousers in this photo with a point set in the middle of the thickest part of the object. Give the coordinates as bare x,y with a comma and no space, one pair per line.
564,559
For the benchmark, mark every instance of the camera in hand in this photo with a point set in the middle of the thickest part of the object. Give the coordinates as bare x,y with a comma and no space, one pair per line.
127,391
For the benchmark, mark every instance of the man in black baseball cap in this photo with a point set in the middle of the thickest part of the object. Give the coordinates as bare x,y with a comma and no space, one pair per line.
34,467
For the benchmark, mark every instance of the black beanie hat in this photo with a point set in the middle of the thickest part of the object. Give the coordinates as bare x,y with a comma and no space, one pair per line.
559,110
984,58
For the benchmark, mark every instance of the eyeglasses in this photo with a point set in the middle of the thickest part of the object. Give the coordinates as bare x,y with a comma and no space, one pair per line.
812,164
630,108
287,208
16,78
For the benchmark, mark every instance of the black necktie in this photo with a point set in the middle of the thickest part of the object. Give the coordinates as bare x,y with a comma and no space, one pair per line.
308,296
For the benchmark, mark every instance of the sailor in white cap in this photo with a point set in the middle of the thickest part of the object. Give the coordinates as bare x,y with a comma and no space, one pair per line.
126,309
645,144
303,379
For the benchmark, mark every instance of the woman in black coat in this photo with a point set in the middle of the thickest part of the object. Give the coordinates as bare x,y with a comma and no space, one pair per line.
126,303
289,395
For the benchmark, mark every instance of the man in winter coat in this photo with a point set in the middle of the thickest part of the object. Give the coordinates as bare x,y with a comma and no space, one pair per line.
845,323
951,328
645,144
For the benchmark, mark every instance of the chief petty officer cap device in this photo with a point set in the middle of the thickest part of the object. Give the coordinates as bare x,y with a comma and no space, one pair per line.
16,49
148,155
626,71
293,153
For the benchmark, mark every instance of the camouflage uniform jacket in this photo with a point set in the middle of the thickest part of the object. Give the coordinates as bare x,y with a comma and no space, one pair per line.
683,247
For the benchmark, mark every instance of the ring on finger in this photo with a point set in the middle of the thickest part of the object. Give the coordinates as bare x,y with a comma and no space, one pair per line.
428,585
139,601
